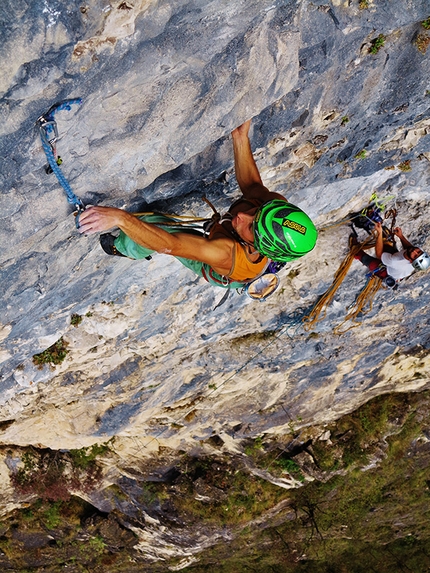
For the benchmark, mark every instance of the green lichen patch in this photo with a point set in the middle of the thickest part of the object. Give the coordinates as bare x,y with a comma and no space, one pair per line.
361,154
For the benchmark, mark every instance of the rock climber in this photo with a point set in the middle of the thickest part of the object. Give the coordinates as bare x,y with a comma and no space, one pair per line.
259,227
398,264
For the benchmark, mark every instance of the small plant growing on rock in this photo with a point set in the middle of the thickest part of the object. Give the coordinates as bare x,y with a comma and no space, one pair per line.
344,120
363,4
52,515
376,44
53,355
255,447
291,467
422,42
76,319
405,165
85,457
361,154
426,23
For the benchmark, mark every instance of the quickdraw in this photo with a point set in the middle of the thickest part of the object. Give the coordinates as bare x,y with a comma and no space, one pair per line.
49,136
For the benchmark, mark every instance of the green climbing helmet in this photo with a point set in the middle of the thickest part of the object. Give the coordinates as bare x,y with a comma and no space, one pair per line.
283,232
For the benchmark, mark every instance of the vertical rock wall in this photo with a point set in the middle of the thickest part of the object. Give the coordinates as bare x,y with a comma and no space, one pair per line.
162,85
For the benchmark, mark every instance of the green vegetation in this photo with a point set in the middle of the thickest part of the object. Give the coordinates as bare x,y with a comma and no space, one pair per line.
405,165
53,355
361,154
426,23
51,515
344,120
85,457
52,475
254,447
363,4
363,504
376,44
289,466
422,42
358,521
69,536
76,319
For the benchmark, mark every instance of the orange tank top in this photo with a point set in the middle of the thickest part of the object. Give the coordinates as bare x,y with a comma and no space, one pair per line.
242,268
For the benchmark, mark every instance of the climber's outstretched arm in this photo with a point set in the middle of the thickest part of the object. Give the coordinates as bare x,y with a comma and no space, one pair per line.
217,253
247,174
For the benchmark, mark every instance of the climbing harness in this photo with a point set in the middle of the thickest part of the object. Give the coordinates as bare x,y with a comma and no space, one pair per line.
49,136
259,288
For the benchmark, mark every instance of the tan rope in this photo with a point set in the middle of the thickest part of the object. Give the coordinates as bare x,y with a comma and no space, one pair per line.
319,310
206,200
365,297
182,218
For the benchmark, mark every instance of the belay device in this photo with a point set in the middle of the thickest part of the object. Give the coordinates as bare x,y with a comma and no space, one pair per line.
49,135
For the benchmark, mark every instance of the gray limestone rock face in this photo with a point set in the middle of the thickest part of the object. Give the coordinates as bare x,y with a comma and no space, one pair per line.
162,86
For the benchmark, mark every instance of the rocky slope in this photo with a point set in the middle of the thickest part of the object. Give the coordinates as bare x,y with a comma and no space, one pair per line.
163,84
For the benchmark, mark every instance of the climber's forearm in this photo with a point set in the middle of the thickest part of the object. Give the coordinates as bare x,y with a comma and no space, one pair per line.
247,173
100,219
405,242
379,246
146,234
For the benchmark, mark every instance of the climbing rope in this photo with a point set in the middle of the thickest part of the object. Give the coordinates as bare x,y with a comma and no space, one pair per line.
364,298
319,310
367,294
176,220
301,317
49,135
